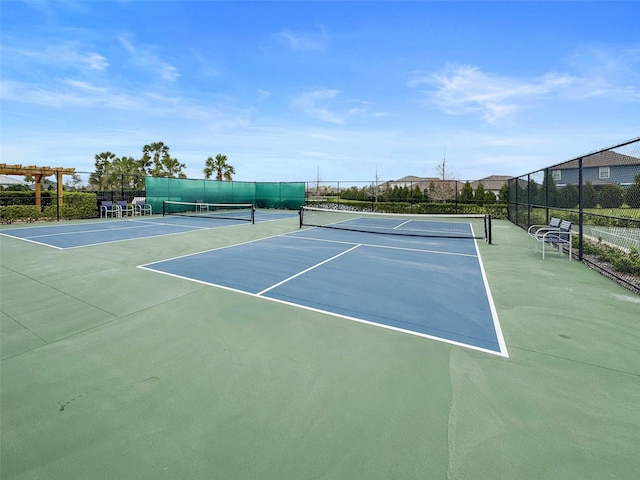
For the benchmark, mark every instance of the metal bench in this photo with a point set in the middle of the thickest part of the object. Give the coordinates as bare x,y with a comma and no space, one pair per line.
557,236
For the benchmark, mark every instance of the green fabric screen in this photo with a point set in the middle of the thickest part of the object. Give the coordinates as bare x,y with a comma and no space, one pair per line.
285,195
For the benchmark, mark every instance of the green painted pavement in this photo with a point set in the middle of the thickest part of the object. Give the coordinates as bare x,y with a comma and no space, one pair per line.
110,371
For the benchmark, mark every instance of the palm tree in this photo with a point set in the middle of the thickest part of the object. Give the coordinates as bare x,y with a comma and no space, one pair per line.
128,173
103,168
158,163
152,155
220,167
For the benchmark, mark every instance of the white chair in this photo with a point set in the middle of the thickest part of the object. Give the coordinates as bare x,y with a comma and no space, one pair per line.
107,207
125,209
201,206
141,207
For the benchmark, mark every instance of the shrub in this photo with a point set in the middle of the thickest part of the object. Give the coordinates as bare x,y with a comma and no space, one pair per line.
25,213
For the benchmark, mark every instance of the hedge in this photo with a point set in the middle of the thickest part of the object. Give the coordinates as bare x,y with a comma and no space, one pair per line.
75,205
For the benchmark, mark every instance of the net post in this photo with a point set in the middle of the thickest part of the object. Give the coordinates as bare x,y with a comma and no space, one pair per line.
164,207
489,230
253,214
300,214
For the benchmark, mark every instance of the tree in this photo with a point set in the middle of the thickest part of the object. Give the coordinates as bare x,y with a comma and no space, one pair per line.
489,197
466,196
157,161
416,193
567,197
503,195
17,188
480,194
99,178
220,167
375,187
611,195
127,173
548,191
589,196
444,189
152,155
74,183
632,195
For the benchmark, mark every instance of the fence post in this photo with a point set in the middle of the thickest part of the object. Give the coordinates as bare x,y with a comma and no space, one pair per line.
580,210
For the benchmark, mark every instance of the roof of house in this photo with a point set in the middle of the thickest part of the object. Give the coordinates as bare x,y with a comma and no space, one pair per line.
601,159
492,182
6,181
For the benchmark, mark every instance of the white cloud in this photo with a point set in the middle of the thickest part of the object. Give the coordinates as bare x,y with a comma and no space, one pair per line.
327,105
263,94
312,102
61,54
145,57
466,89
614,74
303,41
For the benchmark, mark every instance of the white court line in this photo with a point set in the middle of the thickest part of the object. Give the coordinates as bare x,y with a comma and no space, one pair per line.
496,323
403,223
372,245
307,270
501,353
187,229
32,241
103,230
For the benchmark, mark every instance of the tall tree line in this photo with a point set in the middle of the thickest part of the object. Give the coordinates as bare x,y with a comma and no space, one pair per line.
113,172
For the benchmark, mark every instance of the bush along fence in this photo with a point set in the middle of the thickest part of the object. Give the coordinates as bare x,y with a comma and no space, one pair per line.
413,195
21,206
496,210
600,194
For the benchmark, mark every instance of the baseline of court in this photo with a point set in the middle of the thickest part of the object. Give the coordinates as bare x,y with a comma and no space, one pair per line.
430,287
83,234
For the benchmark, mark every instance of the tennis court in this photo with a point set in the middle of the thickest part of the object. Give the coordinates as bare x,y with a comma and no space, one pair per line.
237,351
118,229
398,282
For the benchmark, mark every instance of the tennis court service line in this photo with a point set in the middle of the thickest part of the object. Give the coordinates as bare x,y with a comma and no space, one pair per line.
306,270
400,226
373,245
103,230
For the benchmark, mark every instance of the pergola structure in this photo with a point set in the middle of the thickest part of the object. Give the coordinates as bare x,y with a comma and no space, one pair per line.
39,173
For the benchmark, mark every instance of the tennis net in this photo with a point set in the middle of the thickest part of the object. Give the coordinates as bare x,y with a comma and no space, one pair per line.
476,226
229,211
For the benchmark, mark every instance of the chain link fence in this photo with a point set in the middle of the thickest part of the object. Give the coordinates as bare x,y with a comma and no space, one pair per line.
600,194
426,195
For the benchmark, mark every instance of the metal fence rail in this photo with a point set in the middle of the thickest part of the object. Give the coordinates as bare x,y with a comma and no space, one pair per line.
600,194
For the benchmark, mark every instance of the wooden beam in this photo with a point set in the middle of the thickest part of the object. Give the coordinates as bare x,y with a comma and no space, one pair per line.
59,180
38,191
34,170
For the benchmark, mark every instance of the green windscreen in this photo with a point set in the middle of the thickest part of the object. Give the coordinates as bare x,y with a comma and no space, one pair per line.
284,195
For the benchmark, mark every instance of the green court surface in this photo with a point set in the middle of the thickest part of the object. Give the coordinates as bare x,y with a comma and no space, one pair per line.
110,371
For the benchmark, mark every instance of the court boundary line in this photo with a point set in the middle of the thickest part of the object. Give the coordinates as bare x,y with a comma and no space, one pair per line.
192,230
329,313
31,241
503,352
390,247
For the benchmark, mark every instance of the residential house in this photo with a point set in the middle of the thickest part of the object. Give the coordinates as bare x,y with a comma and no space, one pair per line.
599,168
492,183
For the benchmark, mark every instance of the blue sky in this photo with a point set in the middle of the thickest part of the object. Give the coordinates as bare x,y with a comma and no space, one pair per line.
293,91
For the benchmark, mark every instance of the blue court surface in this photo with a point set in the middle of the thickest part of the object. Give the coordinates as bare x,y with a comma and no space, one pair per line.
74,235
431,287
